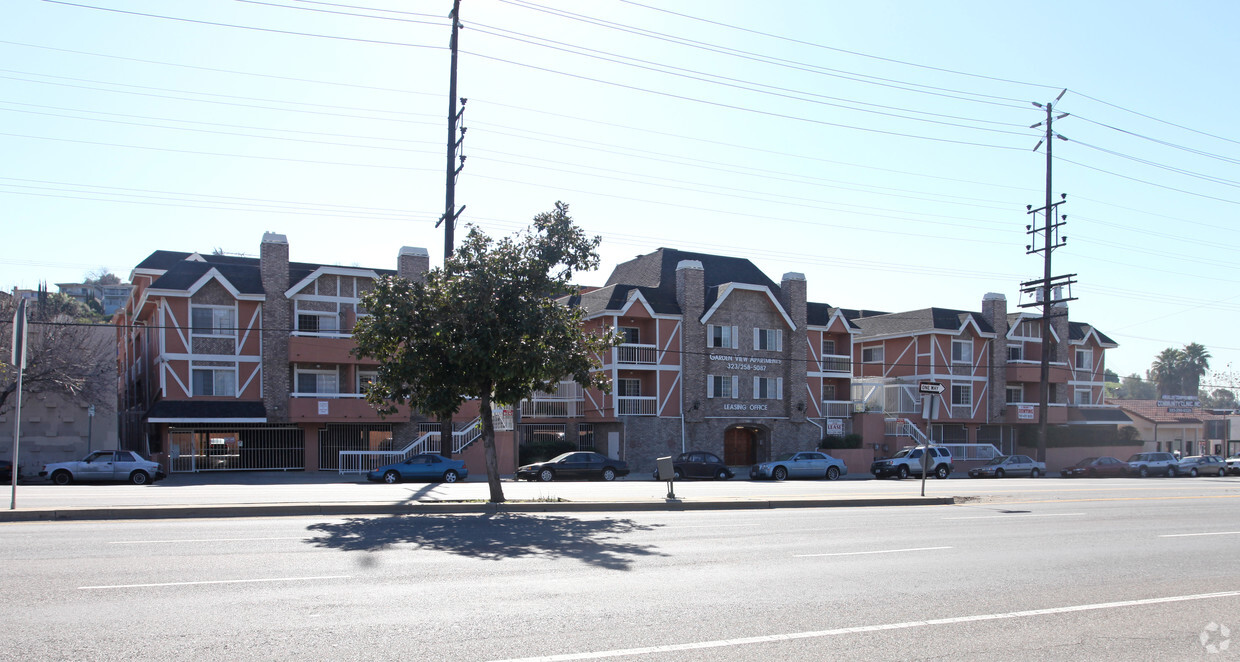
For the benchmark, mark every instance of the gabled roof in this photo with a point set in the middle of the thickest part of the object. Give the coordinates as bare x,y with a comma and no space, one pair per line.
1080,331
614,297
181,271
921,321
182,276
657,271
820,314
1150,411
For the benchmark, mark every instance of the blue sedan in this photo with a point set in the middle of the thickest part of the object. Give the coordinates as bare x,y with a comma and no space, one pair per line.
425,466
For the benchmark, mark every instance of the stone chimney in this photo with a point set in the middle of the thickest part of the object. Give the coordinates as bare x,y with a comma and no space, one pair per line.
277,326
792,297
691,297
994,311
412,264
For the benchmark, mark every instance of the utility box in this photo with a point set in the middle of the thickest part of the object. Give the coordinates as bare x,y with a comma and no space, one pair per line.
666,470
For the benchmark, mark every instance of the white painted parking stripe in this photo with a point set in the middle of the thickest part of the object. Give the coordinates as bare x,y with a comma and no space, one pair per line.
152,542
773,638
877,551
218,581
1015,515
1189,535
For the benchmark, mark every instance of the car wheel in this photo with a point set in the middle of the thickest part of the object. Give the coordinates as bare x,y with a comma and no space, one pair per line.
722,474
902,473
1221,473
780,473
546,475
833,473
609,474
1171,472
1193,472
1092,473
391,477
676,474
942,472
1144,472
450,476
62,477
999,473
139,478
1035,473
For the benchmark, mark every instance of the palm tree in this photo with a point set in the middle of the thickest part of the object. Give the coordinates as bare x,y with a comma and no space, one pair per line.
1195,361
1166,371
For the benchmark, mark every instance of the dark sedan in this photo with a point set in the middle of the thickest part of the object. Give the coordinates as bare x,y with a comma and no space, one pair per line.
1096,467
698,464
581,465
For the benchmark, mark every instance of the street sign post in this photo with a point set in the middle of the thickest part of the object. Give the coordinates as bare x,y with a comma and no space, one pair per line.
930,387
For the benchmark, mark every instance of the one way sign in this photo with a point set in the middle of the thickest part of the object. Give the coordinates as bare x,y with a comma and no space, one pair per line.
930,387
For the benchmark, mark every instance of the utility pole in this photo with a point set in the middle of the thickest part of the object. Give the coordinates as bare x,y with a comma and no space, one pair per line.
451,213
1046,290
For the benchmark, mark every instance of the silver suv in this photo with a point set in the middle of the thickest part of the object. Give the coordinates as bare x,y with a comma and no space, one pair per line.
1144,464
909,460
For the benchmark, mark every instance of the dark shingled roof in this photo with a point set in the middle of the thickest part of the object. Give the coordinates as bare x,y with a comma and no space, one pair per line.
242,272
819,314
926,319
1078,331
199,410
655,275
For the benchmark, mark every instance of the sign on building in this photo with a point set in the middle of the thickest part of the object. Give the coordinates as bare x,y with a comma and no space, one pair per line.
835,427
1024,412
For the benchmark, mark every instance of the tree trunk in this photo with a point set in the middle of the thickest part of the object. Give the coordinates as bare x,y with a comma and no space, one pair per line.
446,438
488,445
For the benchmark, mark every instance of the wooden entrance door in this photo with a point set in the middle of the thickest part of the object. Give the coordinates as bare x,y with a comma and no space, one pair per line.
739,448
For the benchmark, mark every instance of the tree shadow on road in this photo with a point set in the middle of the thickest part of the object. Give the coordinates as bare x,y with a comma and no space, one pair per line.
494,537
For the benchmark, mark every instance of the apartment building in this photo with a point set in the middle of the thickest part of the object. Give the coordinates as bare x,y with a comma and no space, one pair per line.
989,364
230,362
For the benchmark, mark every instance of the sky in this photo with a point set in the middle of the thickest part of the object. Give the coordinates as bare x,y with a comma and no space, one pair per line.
883,148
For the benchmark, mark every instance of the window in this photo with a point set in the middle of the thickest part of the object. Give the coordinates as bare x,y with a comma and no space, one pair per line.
628,387
721,336
768,339
1016,352
212,321
1085,360
630,335
872,354
828,391
317,381
721,386
1083,396
962,351
366,378
214,381
766,388
962,395
1016,393
317,323
828,347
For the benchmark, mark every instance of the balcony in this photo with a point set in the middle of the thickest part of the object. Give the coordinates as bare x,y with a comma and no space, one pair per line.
635,354
633,405
552,408
837,408
319,349
836,363
335,407
1031,371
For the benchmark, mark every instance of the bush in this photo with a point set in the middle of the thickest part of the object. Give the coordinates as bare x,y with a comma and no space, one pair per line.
539,451
837,442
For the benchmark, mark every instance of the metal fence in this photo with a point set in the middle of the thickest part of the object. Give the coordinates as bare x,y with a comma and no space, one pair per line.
334,438
222,448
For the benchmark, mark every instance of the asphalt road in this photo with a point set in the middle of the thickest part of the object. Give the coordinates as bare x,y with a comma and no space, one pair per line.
1138,576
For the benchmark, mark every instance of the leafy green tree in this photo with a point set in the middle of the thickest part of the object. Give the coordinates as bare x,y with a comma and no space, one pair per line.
1195,361
1166,372
485,326
1133,387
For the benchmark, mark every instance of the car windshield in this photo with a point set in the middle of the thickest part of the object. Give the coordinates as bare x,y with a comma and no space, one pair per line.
559,457
904,452
998,460
789,457
1086,462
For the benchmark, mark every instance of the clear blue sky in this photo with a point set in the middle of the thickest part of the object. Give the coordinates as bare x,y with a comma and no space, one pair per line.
882,148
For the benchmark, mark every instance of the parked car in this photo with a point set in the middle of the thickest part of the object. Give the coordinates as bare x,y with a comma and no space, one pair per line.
1233,464
909,460
1144,464
806,464
1009,465
1202,465
424,466
577,464
1095,467
698,464
105,465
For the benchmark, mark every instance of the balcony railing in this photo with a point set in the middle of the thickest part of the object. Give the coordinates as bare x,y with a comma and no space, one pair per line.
637,354
837,408
836,363
632,405
551,408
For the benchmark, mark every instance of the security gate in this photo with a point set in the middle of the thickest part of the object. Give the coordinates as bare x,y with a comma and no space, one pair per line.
337,437
226,448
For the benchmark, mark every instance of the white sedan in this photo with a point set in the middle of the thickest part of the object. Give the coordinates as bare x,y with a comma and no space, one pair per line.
105,465
1009,465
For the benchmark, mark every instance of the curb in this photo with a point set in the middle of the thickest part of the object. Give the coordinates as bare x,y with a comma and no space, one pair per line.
441,508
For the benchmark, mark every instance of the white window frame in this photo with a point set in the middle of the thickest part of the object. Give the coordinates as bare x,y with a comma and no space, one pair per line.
728,336
228,374
962,352
223,321
773,387
359,385
321,314
1088,363
768,340
636,333
722,386
829,392
959,390
828,351
623,382
1019,349
318,372
875,354
1088,398
1020,393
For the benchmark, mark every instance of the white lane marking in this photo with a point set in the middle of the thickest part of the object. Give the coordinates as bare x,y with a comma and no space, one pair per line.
1187,535
877,551
771,638
152,542
673,527
1015,515
218,581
